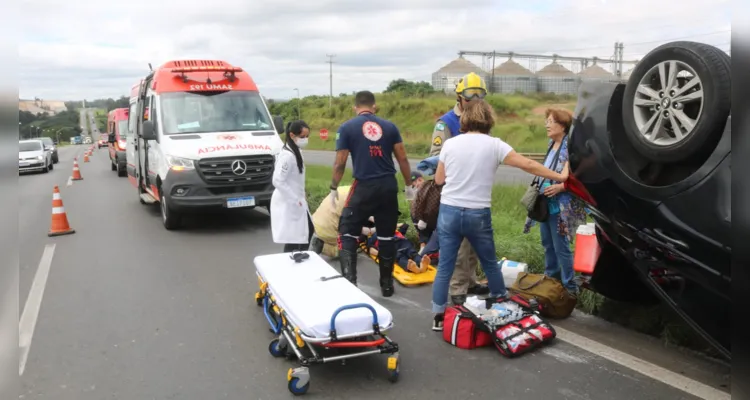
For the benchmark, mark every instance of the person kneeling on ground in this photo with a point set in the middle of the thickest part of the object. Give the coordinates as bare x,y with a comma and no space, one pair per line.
407,257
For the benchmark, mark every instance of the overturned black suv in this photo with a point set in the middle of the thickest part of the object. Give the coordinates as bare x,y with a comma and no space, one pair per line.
652,157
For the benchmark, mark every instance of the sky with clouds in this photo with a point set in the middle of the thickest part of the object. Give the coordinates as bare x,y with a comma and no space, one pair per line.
81,49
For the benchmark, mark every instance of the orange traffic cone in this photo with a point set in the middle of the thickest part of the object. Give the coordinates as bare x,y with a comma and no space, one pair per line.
76,171
60,224
86,157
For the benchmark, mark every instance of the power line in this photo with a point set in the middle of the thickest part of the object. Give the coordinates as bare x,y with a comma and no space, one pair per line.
330,78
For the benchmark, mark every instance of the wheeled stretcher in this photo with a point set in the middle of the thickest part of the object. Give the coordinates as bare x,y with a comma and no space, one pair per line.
319,316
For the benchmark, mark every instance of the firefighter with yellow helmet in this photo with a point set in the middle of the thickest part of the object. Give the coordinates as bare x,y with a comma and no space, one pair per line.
469,88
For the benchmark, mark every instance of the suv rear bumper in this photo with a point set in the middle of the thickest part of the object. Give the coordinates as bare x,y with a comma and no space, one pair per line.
196,193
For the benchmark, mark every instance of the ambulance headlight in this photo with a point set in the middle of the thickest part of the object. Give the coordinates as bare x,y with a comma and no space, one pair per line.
179,163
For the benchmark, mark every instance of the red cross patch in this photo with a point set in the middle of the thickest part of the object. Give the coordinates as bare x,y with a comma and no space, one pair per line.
372,131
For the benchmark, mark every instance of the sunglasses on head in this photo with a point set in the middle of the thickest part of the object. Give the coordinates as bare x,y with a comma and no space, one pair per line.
470,94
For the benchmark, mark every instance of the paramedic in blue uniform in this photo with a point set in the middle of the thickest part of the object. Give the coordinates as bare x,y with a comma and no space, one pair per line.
372,141
470,87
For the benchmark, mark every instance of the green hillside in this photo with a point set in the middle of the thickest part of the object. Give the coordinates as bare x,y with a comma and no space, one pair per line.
521,117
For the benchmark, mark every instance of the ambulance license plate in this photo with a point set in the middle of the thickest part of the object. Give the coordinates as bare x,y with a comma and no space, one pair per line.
238,202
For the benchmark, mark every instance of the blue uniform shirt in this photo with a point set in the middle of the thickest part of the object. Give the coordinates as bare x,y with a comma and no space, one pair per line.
370,140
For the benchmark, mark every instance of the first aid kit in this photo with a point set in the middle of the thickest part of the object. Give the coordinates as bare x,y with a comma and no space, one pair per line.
513,325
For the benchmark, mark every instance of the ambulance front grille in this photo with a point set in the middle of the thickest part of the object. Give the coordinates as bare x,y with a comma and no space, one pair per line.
239,170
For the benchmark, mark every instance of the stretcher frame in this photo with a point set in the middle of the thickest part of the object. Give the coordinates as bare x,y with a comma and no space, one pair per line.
290,337
402,276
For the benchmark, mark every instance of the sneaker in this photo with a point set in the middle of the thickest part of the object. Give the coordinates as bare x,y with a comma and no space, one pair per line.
437,322
458,299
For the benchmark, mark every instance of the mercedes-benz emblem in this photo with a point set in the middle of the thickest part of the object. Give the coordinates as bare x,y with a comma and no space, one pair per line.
239,167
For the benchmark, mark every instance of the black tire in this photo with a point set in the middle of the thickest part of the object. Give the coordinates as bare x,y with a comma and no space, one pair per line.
112,165
712,67
121,172
169,217
46,169
52,166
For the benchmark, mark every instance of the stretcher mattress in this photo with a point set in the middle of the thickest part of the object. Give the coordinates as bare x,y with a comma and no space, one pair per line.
310,302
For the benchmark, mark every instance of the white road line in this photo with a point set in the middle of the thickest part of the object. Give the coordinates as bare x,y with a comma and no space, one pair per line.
30,313
70,181
644,367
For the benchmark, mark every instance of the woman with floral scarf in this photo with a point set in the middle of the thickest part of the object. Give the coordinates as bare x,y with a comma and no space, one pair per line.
566,212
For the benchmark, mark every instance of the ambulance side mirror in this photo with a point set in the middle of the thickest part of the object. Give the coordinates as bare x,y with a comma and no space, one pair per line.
278,123
148,132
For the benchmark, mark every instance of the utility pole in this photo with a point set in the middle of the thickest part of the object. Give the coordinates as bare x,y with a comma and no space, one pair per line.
330,78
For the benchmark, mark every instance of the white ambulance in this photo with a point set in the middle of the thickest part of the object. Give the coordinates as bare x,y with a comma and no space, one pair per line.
201,136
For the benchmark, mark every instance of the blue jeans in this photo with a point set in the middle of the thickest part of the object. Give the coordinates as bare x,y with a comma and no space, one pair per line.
455,224
558,259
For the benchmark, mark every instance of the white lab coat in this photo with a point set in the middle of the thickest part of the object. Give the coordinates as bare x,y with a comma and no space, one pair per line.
289,220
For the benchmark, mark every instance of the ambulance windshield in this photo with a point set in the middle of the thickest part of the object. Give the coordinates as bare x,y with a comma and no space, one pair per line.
201,112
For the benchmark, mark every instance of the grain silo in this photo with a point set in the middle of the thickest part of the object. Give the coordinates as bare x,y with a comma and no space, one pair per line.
595,73
445,78
511,77
555,78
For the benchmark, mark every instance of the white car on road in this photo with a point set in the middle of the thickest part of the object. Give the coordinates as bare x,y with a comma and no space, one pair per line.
32,156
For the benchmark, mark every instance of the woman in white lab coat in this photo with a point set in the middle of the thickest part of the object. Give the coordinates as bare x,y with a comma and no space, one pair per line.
291,224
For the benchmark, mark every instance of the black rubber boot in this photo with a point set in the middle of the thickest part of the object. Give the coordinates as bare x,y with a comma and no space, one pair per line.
348,260
386,276
316,245
458,300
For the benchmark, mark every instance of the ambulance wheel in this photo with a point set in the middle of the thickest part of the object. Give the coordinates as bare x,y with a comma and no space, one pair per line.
112,165
276,350
297,390
169,218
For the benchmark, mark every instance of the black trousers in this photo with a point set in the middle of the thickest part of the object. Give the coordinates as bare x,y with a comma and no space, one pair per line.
290,247
377,198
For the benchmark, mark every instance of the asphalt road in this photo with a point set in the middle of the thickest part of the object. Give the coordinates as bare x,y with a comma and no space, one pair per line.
505,175
132,311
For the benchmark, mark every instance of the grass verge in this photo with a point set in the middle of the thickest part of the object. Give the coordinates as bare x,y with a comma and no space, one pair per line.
508,217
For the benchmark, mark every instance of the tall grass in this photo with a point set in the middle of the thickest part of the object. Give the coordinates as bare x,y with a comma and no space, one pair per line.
416,117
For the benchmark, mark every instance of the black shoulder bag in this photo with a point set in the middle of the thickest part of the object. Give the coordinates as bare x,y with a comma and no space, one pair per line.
539,208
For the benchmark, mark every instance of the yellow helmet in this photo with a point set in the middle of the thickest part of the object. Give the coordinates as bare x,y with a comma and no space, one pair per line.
471,85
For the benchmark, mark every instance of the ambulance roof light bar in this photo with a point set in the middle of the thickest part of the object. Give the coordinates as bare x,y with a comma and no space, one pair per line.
228,71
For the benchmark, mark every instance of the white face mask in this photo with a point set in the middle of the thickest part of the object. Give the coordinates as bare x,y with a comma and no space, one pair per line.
301,143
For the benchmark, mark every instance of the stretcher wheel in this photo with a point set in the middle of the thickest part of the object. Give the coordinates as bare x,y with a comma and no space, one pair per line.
298,380
276,350
298,390
393,368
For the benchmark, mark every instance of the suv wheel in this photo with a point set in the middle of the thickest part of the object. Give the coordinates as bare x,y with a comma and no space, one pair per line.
677,101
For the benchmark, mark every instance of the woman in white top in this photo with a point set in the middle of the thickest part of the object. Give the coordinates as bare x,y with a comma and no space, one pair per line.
466,170
290,218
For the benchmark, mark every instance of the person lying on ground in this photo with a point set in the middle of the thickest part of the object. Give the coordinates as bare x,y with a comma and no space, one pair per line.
326,221
407,257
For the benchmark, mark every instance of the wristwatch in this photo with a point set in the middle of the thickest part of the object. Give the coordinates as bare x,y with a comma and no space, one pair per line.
334,188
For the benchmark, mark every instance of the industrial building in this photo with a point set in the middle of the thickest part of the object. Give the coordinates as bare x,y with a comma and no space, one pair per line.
445,78
512,77
554,78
